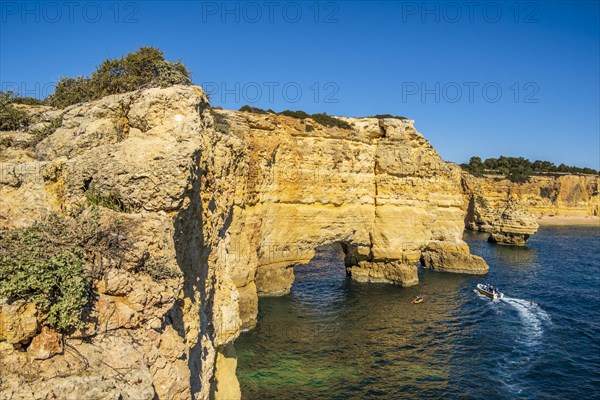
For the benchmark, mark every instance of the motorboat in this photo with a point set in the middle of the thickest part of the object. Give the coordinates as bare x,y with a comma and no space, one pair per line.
489,291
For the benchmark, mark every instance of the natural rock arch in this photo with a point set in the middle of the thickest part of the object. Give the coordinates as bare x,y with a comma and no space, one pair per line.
380,189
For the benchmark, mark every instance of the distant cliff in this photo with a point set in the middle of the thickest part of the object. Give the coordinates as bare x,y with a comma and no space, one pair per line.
559,195
509,210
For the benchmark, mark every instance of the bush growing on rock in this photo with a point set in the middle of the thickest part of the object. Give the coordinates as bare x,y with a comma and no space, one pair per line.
52,263
71,91
44,264
255,110
142,69
295,114
111,200
30,101
382,116
321,118
11,118
329,121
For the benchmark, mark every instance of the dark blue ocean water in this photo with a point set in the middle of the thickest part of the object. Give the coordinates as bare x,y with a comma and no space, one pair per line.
333,338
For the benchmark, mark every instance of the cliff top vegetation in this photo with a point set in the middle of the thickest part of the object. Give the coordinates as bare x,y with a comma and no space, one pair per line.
321,118
519,169
141,69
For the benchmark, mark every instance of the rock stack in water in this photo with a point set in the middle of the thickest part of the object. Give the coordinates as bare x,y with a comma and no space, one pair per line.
513,225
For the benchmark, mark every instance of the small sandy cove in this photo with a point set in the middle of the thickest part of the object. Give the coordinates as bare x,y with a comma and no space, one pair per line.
569,220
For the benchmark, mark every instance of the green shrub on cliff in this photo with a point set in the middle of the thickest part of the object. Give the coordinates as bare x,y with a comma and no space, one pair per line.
111,200
53,261
30,101
382,116
255,110
11,118
43,263
142,69
299,114
321,118
329,121
71,91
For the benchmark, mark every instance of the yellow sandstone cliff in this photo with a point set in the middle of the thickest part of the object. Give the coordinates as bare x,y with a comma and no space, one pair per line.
511,211
544,196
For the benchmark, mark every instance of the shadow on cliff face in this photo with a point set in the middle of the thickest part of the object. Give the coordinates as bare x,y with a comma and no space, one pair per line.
470,214
192,259
195,238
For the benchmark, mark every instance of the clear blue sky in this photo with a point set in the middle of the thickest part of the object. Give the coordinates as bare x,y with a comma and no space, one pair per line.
439,63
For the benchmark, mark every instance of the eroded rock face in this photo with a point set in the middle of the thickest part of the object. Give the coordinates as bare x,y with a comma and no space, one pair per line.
450,257
542,196
216,207
379,189
156,320
18,322
506,218
390,272
513,226
509,211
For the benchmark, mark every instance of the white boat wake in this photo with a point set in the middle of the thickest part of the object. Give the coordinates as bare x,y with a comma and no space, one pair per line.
526,350
521,338
533,317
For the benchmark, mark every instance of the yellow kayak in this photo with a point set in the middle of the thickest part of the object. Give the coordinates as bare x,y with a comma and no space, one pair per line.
418,299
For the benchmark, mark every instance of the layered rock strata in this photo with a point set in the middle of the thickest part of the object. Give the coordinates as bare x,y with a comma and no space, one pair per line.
546,196
509,211
379,189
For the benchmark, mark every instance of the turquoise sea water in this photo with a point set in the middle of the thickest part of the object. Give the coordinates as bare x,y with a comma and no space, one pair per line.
333,338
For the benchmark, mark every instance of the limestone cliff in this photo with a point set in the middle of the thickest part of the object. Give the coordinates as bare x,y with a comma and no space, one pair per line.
560,195
152,329
379,189
509,210
216,207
